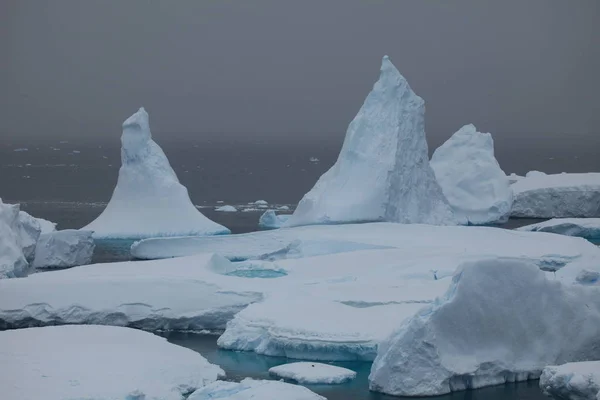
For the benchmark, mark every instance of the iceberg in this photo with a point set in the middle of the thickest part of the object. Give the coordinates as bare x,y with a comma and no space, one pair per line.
46,226
270,220
588,228
226,209
98,362
382,172
29,233
250,389
572,381
501,320
557,196
13,263
311,373
476,187
513,178
63,249
148,200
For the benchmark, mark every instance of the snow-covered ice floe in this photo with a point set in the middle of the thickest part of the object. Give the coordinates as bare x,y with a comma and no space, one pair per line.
557,196
63,249
226,208
98,362
148,200
476,187
313,373
250,389
588,228
167,294
270,220
13,263
572,381
501,320
382,172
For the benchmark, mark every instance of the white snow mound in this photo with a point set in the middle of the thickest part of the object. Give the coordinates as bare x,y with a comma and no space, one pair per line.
62,249
588,228
500,321
310,373
100,363
12,260
250,389
476,187
557,196
148,200
572,381
382,172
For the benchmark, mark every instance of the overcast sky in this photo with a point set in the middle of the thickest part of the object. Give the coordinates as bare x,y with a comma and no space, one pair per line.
296,68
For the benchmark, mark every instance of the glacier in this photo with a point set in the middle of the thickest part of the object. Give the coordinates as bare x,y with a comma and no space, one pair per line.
382,172
13,263
250,389
572,381
501,320
312,373
58,362
148,200
557,196
588,228
65,248
476,187
270,220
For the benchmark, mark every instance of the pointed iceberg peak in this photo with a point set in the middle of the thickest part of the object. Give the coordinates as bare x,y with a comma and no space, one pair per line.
140,118
136,137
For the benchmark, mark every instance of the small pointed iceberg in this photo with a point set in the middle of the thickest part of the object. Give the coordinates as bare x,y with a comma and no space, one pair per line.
148,200
382,172
476,187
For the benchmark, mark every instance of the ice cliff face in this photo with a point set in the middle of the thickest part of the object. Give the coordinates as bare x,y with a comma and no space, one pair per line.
382,172
148,200
12,260
476,187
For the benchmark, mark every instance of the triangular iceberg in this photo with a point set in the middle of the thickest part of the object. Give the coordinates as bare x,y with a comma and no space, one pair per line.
148,200
382,172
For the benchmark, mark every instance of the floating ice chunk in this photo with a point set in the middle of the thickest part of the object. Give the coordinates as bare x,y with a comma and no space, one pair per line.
98,362
29,233
588,228
283,208
250,389
148,200
313,160
533,174
76,151
12,260
382,172
21,149
270,220
476,188
226,209
62,249
572,381
261,203
313,373
512,178
557,196
492,326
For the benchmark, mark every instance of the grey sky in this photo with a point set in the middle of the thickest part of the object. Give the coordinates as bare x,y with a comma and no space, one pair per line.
283,68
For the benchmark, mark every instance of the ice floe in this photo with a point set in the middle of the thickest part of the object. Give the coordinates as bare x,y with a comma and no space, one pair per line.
313,373
572,381
588,228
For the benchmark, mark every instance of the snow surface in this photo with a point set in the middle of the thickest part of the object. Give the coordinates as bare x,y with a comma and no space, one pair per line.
313,373
501,320
382,171
100,363
66,248
270,220
476,187
250,389
134,294
572,381
557,196
12,260
29,233
226,209
588,228
148,200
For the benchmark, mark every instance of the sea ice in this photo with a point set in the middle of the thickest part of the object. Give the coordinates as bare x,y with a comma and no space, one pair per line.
588,228
148,200
382,172
29,233
283,208
557,196
226,209
261,203
21,149
572,381
476,187
98,362
250,389
62,249
310,373
12,260
270,220
501,320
